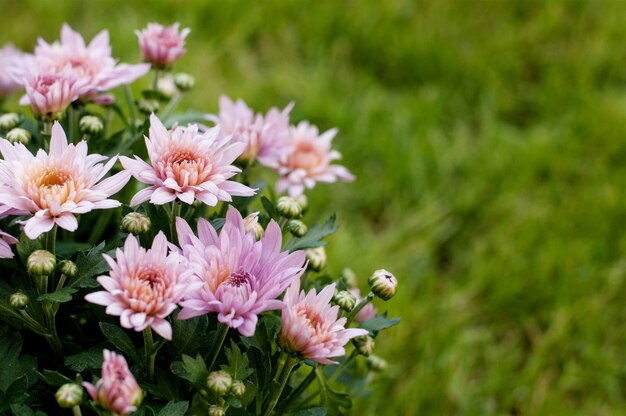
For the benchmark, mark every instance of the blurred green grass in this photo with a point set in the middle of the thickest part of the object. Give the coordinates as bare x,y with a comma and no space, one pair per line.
488,142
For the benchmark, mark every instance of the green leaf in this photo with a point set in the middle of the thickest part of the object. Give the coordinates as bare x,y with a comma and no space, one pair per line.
312,411
336,402
270,208
118,337
90,264
53,378
12,367
58,296
314,237
188,335
380,322
174,409
26,246
238,363
191,369
90,359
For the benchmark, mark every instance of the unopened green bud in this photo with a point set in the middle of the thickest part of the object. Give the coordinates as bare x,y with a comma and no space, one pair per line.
345,300
317,258
41,263
383,284
349,279
69,395
251,223
303,201
18,300
91,125
219,382
148,106
297,227
238,389
288,207
166,86
375,363
184,82
9,121
364,345
68,268
136,223
215,410
18,135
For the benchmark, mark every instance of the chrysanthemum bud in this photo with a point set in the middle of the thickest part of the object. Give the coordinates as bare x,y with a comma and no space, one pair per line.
345,300
375,363
238,389
251,222
219,382
288,207
18,135
68,268
215,410
383,284
69,395
9,121
317,258
297,227
136,223
166,86
148,106
364,345
184,82
303,201
41,263
91,125
18,300
349,279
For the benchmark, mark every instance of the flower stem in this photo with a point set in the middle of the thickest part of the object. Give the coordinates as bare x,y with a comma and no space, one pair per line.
148,345
34,325
46,132
222,330
171,106
357,308
155,82
297,392
51,238
342,366
128,94
280,381
76,411
72,119
175,213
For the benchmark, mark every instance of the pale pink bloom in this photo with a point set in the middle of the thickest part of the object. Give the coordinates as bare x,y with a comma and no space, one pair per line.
310,161
117,390
239,277
5,249
143,286
187,165
54,187
266,138
91,65
310,326
10,59
368,312
162,45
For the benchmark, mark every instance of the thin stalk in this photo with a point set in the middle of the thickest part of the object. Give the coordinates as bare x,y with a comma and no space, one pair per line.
76,411
34,325
175,213
343,366
148,344
370,297
128,94
54,340
222,330
297,392
108,115
281,381
72,119
155,82
171,106
51,238
46,132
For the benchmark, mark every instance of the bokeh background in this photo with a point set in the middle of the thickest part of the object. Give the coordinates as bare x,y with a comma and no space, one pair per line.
488,139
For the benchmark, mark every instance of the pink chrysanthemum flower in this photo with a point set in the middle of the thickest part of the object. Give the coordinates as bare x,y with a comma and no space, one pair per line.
143,286
5,241
117,390
10,59
56,186
266,138
310,326
91,65
309,162
187,165
239,277
368,312
162,45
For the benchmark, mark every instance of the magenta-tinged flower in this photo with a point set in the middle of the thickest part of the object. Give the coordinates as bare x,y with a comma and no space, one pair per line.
143,286
5,241
91,65
54,187
10,59
309,162
368,312
162,45
239,277
266,138
187,165
117,390
310,326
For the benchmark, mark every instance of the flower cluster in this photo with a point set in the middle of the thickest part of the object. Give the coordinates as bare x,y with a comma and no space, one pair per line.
198,271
